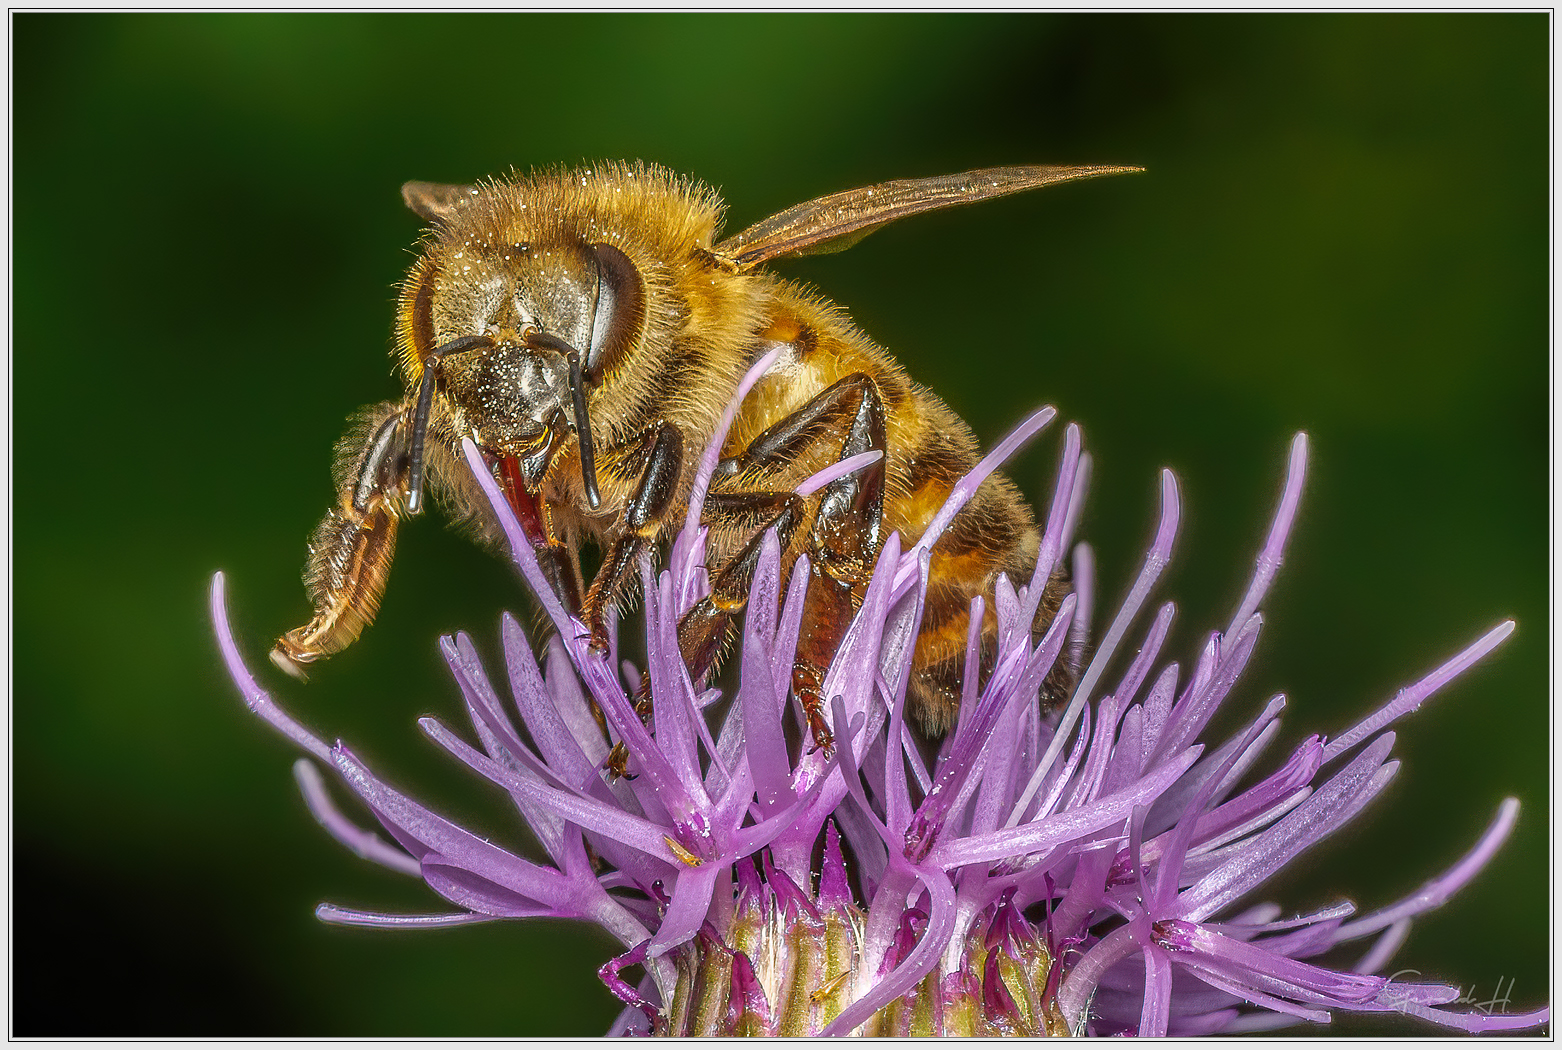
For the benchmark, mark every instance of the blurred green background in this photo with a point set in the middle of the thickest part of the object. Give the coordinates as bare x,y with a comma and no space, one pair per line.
1343,228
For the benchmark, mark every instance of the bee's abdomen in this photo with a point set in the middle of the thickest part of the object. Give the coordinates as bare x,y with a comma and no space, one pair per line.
993,533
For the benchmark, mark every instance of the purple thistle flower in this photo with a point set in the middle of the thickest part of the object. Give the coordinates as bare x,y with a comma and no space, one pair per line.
1085,871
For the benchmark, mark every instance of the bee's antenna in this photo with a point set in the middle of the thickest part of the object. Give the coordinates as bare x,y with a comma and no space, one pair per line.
425,406
577,392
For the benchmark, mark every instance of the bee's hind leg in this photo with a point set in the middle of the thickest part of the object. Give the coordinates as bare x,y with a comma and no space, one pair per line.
842,547
847,531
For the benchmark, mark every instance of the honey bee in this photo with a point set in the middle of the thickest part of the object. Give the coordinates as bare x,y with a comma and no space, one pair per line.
587,328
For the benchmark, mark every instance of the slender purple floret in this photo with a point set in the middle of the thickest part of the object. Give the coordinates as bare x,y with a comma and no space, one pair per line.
1089,870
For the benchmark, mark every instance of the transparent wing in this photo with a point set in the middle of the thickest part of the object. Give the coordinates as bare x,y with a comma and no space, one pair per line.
836,222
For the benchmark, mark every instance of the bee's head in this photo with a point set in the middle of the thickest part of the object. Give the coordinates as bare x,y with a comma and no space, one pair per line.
517,334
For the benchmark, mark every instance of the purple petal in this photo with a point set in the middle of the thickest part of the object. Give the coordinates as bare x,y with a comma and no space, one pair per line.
1155,560
622,989
789,896
631,1022
676,707
762,707
691,899
1270,971
423,833
1332,804
1273,551
1052,537
1476,1023
471,891
966,487
1297,772
748,996
837,470
850,674
500,740
1084,567
1085,975
1194,711
1408,700
917,965
1183,835
784,650
257,699
1383,948
712,451
1435,892
589,813
1241,990
1048,832
971,674
1076,500
973,750
834,889
1158,705
1134,677
1157,994
1213,1022
1049,803
353,917
365,844
520,547
558,719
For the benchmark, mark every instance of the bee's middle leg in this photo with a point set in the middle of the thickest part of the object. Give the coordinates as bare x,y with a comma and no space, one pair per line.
704,629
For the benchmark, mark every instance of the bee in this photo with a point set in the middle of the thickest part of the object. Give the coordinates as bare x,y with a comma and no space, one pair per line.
586,329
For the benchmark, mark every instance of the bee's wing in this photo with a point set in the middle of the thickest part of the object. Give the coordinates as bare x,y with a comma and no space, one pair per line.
434,201
835,223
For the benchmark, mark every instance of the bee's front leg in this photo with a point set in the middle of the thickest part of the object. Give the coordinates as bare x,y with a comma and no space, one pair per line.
350,552
642,526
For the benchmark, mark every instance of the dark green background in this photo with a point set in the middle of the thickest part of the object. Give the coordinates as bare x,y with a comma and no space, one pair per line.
1343,228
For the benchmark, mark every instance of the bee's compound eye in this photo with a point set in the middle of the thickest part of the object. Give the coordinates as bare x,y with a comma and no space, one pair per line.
619,312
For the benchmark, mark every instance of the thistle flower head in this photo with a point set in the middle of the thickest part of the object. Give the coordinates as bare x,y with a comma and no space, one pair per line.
1089,870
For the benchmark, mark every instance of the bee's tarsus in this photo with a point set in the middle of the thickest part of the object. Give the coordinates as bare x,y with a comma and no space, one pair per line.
288,665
